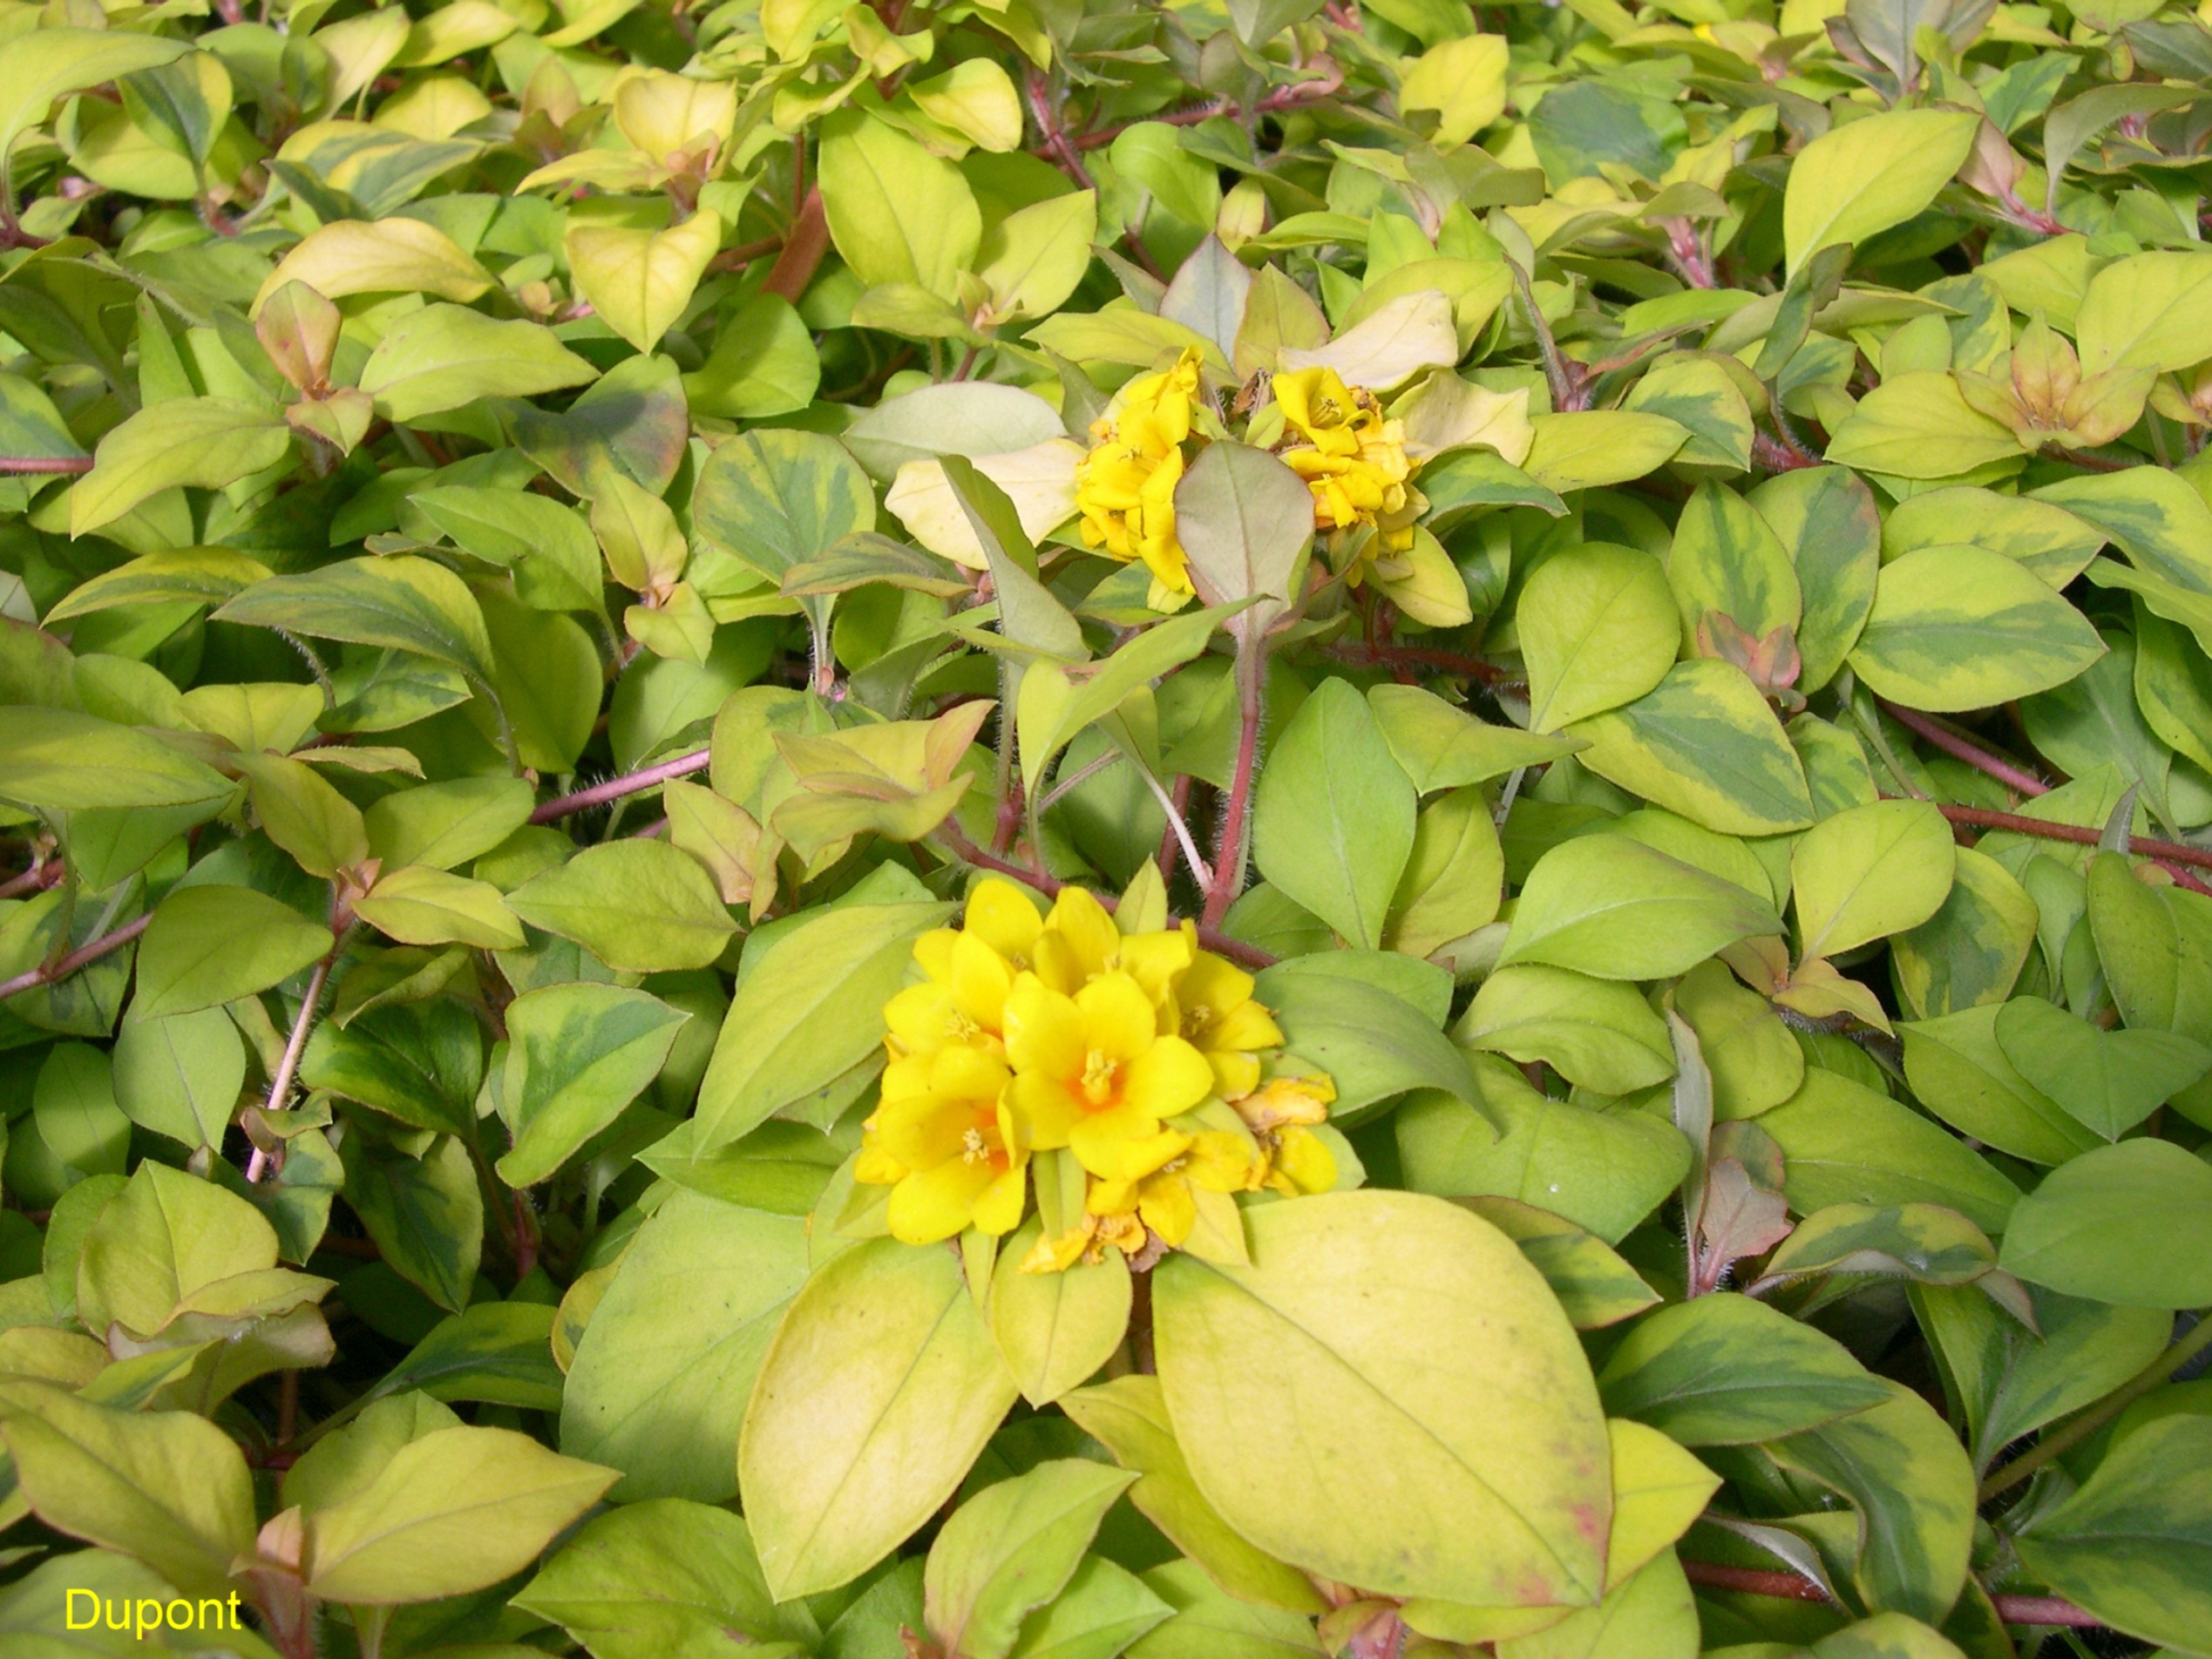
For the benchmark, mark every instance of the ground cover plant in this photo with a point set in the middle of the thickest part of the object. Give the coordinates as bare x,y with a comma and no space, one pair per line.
1033,829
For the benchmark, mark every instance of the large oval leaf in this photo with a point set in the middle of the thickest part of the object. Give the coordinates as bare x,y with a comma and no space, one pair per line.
880,1389
1391,1397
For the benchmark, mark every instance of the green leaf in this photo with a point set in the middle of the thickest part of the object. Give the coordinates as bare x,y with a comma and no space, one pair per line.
170,1244
166,1487
1867,872
2146,311
2134,1546
1958,1067
764,364
1924,1243
496,1352
209,945
896,212
775,499
205,575
1102,1611
661,1377
1845,1144
2154,945
1725,559
399,603
1332,819
1919,425
1374,1308
1245,522
1724,1370
425,1215
2110,1081
1055,1329
549,547
807,1011
57,760
418,905
1955,628
1604,1171
880,1390
1595,447
1617,908
180,1075
1864,176
660,1577
1906,1474
56,60
445,355
1598,1033
1010,1549
1703,743
205,442
2130,1223
458,1509
2010,1380
577,1054
1209,1623
1032,260
1594,1284
1598,628
641,280
1128,1417
1372,1041
1442,748
397,255
640,906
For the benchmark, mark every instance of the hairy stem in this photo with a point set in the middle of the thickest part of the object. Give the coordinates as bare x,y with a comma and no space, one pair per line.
2081,835
1960,749
1228,877
47,972
614,788
1750,1581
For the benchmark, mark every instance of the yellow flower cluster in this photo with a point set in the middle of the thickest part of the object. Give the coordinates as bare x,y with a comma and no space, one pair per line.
1352,458
1125,486
1030,1034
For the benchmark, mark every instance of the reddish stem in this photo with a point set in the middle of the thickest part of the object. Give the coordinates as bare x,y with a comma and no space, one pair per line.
20,464
2081,835
1778,456
61,967
629,784
736,258
2011,1610
1229,860
36,879
969,853
803,251
1959,750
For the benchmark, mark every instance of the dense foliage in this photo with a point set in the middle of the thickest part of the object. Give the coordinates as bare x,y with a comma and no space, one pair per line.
1033,829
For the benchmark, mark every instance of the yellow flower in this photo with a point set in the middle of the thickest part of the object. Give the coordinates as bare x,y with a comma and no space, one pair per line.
1292,1159
969,970
1352,458
1162,1201
1125,486
941,1139
1093,1073
1081,942
1219,1017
